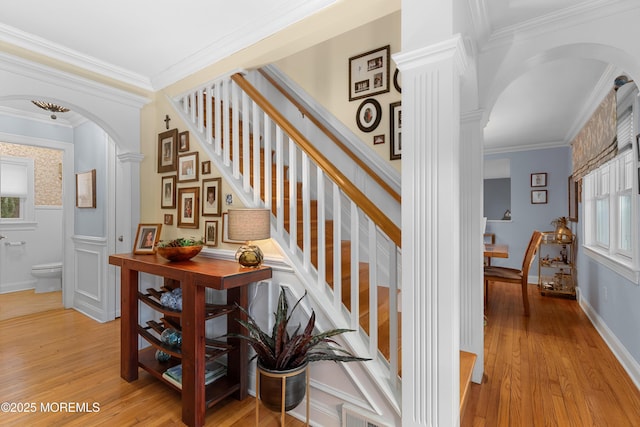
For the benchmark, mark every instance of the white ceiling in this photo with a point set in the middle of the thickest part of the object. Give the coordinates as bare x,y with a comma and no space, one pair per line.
153,43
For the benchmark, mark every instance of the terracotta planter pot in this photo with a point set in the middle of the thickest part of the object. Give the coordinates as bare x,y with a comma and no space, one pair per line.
270,383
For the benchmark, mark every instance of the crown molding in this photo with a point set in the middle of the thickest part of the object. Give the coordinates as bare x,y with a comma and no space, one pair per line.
61,53
563,18
44,73
527,147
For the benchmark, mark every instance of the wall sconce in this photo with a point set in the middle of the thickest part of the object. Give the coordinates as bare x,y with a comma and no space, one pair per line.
248,225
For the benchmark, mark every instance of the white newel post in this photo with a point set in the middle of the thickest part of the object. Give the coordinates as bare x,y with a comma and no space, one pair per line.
471,259
431,233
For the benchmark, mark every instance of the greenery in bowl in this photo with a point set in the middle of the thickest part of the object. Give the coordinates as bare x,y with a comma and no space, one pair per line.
180,242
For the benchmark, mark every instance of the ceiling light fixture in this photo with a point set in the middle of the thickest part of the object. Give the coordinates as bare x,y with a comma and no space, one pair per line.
49,106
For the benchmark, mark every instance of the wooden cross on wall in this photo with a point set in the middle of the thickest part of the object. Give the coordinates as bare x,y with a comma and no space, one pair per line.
167,119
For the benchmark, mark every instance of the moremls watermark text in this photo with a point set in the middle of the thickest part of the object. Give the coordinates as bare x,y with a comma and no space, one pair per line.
54,407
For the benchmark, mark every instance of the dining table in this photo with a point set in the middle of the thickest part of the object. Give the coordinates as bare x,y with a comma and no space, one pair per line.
492,250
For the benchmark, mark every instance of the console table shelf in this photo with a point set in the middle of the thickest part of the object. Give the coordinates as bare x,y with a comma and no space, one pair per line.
193,277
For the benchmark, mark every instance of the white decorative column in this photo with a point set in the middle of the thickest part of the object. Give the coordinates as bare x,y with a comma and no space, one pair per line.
431,172
471,245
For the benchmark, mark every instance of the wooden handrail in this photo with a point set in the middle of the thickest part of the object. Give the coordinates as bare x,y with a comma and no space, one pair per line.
368,207
377,178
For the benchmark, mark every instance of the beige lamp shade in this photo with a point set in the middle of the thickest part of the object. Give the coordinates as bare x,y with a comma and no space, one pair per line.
249,224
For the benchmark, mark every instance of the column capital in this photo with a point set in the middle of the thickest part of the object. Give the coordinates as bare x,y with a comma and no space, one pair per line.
453,48
130,157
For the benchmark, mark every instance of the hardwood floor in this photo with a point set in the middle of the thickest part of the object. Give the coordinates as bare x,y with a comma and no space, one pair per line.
57,357
21,303
551,369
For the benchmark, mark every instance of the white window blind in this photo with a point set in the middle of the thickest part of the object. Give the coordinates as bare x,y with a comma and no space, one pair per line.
14,179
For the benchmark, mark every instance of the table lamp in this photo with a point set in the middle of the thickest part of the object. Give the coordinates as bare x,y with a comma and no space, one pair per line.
249,224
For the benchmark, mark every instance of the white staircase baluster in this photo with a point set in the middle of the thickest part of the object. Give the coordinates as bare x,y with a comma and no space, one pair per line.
306,212
235,129
322,236
337,248
373,288
355,266
217,109
280,180
200,104
268,161
393,314
255,119
246,145
293,197
226,132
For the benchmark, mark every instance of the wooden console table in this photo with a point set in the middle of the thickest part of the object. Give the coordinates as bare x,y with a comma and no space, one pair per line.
194,276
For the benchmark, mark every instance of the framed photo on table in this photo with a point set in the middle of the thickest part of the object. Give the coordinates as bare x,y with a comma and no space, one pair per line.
369,73
188,207
146,238
167,151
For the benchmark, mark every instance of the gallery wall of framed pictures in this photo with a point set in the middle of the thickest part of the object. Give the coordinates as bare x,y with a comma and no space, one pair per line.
183,191
371,79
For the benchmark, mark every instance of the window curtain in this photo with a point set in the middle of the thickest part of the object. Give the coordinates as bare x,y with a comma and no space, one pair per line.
596,142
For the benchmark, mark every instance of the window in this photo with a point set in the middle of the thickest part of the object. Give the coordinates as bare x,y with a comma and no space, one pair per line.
609,213
16,189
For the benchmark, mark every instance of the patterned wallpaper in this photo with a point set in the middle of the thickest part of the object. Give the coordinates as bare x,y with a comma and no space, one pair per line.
47,169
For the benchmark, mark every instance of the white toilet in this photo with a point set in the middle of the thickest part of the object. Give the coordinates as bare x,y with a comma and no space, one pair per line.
49,277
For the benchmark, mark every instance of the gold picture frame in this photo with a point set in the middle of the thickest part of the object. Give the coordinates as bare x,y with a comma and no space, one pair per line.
86,189
167,151
188,207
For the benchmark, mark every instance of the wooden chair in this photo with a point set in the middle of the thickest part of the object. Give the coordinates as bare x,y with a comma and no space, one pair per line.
513,275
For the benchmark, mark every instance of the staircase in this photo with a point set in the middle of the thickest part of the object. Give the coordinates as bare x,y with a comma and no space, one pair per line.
336,238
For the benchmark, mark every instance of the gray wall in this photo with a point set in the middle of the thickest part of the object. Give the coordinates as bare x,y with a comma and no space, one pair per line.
90,149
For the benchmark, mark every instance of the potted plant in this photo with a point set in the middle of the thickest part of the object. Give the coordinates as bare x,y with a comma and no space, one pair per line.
283,353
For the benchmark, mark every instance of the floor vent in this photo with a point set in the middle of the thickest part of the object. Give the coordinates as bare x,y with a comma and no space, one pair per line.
354,417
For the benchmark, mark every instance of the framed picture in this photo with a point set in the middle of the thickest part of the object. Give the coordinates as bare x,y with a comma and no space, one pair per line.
368,115
396,80
188,167
369,73
168,199
86,189
167,151
206,167
211,197
168,219
146,238
225,230
573,199
538,197
183,141
539,179
395,130
188,213
378,139
638,146
211,233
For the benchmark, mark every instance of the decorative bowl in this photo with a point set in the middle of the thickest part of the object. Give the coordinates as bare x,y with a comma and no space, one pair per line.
178,253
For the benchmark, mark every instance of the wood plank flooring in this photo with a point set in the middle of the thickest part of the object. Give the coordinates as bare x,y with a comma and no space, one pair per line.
550,369
21,303
61,356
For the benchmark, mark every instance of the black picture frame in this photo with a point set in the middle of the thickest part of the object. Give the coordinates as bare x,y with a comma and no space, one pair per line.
395,130
396,80
368,115
538,197
539,179
369,73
